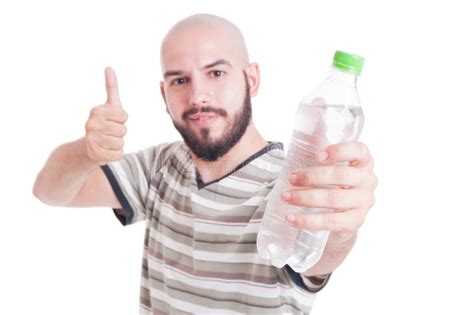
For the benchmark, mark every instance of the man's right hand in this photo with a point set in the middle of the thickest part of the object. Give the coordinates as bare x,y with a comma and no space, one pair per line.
105,128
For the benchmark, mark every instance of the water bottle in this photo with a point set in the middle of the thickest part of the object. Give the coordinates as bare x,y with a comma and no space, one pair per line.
328,115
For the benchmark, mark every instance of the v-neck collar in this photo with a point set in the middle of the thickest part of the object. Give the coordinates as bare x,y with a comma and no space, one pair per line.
270,146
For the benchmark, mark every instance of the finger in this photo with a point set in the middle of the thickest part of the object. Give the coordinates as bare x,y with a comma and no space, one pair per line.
348,221
113,129
341,199
116,114
330,175
111,86
111,142
356,153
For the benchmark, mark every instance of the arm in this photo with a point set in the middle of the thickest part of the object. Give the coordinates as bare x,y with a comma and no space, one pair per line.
334,254
72,175
70,179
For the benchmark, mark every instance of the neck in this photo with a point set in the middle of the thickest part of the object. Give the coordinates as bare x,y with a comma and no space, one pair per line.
250,143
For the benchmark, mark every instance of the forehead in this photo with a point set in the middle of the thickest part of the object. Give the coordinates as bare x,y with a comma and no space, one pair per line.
195,49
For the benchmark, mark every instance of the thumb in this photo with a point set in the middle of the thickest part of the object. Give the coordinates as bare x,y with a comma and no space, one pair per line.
111,85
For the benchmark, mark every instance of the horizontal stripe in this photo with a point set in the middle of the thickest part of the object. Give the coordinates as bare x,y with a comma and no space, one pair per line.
182,305
207,203
250,288
241,184
230,257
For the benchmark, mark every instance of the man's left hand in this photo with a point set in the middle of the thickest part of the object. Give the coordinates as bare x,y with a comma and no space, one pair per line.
344,182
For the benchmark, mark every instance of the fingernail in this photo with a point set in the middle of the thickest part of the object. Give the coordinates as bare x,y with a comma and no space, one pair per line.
286,195
293,178
322,156
290,218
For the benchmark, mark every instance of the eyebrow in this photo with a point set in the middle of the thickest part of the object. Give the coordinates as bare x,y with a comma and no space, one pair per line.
172,73
218,62
215,63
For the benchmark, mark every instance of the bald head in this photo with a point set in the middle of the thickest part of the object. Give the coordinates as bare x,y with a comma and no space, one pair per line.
204,31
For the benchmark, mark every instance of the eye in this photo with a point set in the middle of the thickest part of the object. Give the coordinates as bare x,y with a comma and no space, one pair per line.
217,73
179,81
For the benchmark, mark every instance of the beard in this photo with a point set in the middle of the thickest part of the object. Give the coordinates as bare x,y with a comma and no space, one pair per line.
209,150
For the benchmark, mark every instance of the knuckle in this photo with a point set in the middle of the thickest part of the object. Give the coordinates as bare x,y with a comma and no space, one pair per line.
89,125
125,115
358,147
363,148
96,111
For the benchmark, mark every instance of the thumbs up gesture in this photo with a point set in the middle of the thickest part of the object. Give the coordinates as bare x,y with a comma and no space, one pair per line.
105,128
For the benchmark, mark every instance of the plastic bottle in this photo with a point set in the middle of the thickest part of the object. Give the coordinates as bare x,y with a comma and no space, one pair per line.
328,115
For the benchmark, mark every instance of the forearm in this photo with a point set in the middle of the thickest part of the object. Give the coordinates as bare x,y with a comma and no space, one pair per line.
334,254
63,174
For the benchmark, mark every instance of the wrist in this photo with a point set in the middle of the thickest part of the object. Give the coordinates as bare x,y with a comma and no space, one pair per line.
335,252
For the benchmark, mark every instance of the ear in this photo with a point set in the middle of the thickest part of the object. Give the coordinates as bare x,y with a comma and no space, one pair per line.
162,89
253,76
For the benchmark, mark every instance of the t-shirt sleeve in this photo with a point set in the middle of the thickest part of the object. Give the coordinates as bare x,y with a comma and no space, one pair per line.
311,284
130,179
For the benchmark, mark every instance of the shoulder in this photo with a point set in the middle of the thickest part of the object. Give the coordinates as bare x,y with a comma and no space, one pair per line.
159,155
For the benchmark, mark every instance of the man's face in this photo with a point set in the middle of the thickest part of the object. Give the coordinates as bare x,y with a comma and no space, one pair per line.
206,92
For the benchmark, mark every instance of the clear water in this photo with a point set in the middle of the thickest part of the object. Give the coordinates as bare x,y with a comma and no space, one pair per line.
317,125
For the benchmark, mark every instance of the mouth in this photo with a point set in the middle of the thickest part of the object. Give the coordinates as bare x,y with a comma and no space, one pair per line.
203,119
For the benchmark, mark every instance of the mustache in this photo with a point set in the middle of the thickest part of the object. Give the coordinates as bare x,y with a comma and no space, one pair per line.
204,109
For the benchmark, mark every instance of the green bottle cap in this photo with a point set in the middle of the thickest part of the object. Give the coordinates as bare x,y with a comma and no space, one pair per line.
348,62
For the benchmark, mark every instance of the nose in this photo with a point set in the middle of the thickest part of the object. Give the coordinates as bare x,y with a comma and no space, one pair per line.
200,94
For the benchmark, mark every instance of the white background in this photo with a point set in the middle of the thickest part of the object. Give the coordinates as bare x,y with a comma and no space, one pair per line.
413,255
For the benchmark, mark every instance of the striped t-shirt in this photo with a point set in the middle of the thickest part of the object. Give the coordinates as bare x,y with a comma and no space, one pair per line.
200,251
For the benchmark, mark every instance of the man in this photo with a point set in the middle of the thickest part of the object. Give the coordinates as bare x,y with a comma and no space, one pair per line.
203,199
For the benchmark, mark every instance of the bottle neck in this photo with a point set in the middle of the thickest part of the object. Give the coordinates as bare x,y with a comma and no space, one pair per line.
342,77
